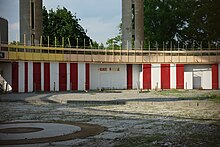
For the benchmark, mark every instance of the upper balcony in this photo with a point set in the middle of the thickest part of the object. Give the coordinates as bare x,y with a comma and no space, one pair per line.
142,56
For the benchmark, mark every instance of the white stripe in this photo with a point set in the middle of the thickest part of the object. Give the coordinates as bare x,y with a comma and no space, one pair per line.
42,76
136,69
156,76
21,75
54,76
81,76
173,76
68,75
30,76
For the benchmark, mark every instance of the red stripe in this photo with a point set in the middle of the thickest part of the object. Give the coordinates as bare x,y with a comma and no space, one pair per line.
87,77
215,76
46,76
15,76
62,77
129,76
74,76
37,76
26,77
146,76
165,76
180,76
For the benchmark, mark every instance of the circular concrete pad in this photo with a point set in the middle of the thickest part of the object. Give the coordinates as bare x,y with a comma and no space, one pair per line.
16,133
48,130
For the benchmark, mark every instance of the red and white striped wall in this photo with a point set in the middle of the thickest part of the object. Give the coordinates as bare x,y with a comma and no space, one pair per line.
49,76
179,76
55,76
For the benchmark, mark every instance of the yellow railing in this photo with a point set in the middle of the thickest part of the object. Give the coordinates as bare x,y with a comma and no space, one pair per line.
38,53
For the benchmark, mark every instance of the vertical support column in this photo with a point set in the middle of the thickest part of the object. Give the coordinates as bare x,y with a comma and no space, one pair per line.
74,76
30,77
87,76
127,24
180,76
81,76
173,76
21,77
215,76
46,76
26,77
219,76
68,76
15,76
139,23
129,76
62,77
54,76
165,76
42,76
146,76
156,76
37,76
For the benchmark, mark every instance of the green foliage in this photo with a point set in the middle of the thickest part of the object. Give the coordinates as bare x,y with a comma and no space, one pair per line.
185,21
114,43
61,23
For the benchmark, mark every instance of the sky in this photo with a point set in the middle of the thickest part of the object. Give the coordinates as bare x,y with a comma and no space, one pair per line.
100,18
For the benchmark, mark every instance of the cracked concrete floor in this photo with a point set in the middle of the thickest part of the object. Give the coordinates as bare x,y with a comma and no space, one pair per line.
145,119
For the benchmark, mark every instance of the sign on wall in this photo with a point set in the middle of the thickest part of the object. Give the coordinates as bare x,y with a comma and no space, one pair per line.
109,69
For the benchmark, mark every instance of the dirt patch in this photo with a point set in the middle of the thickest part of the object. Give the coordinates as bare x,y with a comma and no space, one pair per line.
86,131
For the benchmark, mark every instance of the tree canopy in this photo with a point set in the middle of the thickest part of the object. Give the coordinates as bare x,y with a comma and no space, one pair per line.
185,21
62,23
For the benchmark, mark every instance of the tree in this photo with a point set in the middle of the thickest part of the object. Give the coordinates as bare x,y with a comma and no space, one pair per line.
115,42
185,21
61,23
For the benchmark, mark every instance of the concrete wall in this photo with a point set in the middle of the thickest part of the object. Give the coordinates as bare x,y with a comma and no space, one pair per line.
25,21
108,79
136,75
54,76
172,76
198,76
127,24
156,76
81,76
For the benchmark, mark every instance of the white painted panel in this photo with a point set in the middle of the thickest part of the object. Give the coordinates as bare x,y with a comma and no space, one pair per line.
6,69
173,76
141,80
109,79
54,76
68,75
21,77
136,69
81,76
188,80
156,76
30,76
42,76
219,76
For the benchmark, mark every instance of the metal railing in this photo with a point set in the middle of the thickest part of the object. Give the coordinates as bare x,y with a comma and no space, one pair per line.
138,56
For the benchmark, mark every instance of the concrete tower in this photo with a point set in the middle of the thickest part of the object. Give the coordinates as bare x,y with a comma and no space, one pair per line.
30,21
132,23
3,31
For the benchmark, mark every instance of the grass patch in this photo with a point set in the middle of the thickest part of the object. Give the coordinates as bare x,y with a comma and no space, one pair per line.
141,141
215,97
